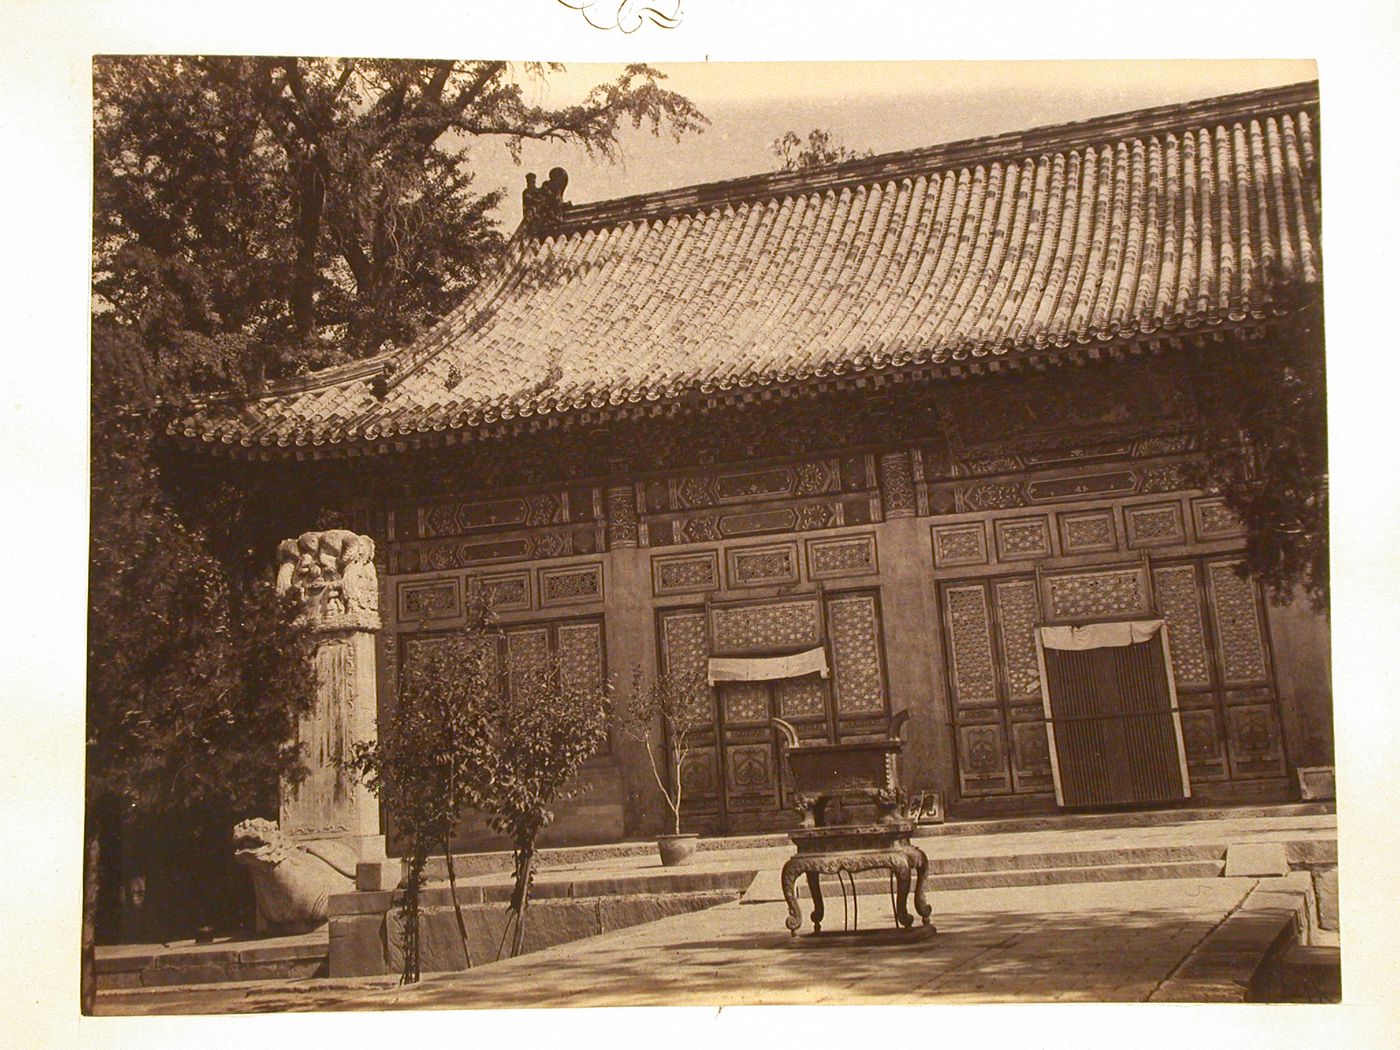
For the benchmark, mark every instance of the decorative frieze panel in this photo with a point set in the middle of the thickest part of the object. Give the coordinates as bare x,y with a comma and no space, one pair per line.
1006,494
771,564
506,591
855,654
1087,531
432,599
766,627
582,583
699,491
964,544
466,517
989,495
1214,520
1167,477
841,556
802,517
969,637
1007,458
684,655
1179,600
1018,611
982,760
803,697
1154,525
1081,486
1089,595
1019,539
542,544
744,702
685,573
897,485
1237,625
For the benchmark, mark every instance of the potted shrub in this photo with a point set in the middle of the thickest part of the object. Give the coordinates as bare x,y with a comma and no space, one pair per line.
671,700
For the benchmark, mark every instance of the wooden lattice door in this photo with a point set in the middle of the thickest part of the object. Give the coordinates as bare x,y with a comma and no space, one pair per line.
1115,734
731,777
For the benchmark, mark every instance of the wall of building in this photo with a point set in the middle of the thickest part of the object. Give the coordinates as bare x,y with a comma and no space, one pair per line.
923,567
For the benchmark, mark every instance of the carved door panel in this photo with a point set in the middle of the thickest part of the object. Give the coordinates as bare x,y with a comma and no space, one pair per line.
732,777
750,757
998,719
1221,663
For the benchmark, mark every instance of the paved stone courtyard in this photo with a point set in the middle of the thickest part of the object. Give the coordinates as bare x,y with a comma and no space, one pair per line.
1096,942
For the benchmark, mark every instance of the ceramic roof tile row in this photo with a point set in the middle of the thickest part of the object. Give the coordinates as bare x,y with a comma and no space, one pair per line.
1078,242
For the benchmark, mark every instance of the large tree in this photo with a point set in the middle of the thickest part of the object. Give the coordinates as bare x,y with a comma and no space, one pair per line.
257,217
314,210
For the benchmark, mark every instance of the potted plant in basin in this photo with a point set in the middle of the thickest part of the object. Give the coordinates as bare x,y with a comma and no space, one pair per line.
670,700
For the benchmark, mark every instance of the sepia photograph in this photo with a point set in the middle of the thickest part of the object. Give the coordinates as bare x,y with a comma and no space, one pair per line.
604,522
557,528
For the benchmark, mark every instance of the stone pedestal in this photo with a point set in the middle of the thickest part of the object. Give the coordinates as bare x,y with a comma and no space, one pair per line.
333,575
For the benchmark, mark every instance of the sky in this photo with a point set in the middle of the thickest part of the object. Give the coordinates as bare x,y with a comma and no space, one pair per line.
881,106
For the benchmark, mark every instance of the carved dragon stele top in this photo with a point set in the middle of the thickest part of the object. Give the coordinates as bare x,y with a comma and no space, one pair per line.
332,574
292,881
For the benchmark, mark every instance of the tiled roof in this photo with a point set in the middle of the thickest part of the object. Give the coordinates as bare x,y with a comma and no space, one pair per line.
1142,226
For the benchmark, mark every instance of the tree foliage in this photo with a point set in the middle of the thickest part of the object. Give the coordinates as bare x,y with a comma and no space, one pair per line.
292,212
540,734
258,217
821,147
462,735
667,702
425,765
196,674
1264,412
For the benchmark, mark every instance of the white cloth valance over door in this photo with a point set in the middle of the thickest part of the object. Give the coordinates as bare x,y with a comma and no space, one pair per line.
767,668
1098,635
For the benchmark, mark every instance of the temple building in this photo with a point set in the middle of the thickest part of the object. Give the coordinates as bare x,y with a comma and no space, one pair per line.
918,422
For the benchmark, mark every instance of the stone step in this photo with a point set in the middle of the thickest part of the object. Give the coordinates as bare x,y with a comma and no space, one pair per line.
470,864
1136,819
1310,973
876,883
1089,858
660,883
185,962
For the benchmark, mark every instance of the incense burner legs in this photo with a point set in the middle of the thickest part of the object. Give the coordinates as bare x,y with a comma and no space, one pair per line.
906,862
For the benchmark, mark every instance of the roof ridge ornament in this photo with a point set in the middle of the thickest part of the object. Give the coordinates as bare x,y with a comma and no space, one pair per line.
543,206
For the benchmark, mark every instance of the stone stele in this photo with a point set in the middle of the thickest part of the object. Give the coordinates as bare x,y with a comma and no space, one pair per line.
328,814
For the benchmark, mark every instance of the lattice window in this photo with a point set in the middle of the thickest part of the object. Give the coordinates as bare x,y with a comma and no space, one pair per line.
803,697
974,678
855,653
1180,603
1017,608
576,646
1089,595
771,626
685,656
745,702
1237,625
